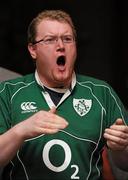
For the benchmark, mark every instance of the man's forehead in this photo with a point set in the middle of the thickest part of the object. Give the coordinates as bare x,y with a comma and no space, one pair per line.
50,22
51,26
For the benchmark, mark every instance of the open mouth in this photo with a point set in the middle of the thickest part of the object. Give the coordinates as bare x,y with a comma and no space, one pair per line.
61,60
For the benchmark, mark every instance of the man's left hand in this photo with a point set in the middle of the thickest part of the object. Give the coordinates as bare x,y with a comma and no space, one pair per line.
117,135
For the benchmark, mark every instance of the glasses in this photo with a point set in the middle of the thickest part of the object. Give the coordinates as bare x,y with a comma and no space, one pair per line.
67,39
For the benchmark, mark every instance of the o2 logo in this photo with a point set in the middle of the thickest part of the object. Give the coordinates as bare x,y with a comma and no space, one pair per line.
66,162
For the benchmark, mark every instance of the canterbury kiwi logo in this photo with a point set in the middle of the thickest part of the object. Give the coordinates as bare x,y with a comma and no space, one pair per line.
29,106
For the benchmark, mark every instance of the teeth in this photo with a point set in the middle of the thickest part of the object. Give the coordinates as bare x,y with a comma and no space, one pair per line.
61,60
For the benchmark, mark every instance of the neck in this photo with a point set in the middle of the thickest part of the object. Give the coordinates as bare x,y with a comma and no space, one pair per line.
54,85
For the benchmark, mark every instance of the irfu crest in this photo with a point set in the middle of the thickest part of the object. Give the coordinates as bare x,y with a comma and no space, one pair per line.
82,106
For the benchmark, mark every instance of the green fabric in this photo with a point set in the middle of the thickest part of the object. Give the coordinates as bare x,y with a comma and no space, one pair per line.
73,153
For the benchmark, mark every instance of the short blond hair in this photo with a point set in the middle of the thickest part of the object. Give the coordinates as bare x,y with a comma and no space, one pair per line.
58,15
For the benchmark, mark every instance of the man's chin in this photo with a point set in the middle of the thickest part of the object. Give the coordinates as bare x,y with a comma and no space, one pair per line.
62,81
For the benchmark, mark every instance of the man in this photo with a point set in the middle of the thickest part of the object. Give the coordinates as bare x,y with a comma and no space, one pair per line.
55,123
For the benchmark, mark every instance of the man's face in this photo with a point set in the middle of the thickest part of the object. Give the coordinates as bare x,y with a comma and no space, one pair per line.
54,72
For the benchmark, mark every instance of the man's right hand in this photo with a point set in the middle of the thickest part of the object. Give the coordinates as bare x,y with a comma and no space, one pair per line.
42,122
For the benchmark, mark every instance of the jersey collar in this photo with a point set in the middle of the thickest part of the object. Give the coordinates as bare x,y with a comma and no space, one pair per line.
59,90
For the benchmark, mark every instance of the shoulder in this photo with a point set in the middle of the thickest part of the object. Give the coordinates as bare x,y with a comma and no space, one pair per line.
97,86
91,81
17,82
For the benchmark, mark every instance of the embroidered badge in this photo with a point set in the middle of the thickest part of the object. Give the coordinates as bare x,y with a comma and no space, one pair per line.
82,106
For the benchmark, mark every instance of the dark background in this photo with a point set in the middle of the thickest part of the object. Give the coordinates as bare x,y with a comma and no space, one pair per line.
102,29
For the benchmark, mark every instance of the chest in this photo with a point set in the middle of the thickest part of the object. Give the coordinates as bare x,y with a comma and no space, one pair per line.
83,112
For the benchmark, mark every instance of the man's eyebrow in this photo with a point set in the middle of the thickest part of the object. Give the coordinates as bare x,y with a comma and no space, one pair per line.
57,35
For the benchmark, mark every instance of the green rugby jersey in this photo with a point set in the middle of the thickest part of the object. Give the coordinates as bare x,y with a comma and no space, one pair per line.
72,153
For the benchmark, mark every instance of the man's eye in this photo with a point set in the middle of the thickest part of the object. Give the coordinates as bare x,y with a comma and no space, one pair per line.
68,39
49,40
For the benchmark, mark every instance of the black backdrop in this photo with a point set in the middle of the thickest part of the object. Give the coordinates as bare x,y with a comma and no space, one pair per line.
102,29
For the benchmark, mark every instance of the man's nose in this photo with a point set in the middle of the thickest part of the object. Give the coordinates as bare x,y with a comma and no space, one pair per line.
60,44
60,41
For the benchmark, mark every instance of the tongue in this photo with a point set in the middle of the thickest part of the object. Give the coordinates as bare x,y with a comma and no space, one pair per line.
61,60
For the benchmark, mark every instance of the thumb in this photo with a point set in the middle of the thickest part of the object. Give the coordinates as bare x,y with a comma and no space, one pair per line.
53,110
119,122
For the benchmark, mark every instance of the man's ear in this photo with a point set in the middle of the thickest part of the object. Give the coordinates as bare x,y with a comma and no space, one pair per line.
32,50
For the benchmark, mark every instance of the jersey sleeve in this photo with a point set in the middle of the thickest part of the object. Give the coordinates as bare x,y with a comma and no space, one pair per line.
5,109
114,107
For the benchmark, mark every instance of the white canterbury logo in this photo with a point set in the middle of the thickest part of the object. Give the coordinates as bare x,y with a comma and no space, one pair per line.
28,107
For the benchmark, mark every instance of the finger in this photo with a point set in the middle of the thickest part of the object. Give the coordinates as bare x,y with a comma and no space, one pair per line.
58,119
118,131
114,146
50,125
119,122
116,139
53,110
52,118
119,126
49,131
